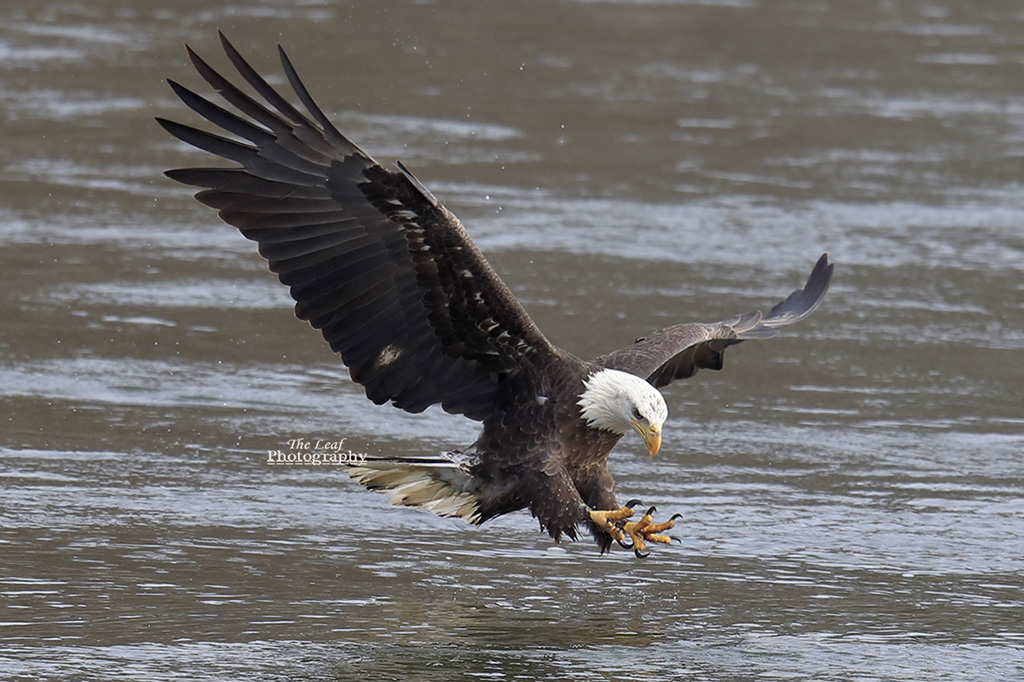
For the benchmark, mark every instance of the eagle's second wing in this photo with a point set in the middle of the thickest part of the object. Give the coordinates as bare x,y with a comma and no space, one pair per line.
680,351
385,272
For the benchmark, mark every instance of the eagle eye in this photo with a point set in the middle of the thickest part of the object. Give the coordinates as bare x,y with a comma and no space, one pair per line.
636,413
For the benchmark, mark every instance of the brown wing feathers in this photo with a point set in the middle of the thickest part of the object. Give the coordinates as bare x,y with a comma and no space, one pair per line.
372,260
680,351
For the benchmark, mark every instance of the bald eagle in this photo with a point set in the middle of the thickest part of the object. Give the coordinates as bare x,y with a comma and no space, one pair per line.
396,286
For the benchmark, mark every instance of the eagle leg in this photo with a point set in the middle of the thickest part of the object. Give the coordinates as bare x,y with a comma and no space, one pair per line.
605,520
645,530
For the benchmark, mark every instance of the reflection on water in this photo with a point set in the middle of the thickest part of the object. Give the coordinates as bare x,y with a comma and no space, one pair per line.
851,492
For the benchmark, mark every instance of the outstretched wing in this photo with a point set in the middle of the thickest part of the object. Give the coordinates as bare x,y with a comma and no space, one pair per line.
680,351
373,261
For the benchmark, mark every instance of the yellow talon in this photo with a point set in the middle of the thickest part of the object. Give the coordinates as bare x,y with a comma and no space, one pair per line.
644,531
604,519
659,527
640,532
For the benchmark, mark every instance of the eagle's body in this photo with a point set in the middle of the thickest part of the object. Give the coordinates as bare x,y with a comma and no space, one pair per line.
535,453
397,287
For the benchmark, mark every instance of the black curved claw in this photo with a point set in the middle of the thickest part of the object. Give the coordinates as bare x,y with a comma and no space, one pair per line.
651,510
624,545
676,516
632,503
641,555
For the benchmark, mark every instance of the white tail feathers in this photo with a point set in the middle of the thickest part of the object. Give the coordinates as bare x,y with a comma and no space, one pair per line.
440,484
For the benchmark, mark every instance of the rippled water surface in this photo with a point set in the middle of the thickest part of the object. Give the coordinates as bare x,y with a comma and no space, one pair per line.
852,491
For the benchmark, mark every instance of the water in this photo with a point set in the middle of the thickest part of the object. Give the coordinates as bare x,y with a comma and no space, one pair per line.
851,491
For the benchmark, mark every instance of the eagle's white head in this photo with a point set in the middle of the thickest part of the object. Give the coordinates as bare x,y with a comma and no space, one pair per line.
617,401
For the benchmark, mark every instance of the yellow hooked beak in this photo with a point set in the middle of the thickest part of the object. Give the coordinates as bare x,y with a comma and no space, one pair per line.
651,436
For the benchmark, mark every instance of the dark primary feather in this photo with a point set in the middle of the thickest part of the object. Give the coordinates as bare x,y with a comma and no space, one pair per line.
680,351
373,261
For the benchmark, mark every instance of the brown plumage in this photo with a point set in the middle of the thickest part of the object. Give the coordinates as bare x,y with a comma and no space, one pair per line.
396,286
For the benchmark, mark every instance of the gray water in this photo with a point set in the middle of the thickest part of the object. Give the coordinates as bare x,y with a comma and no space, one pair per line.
852,491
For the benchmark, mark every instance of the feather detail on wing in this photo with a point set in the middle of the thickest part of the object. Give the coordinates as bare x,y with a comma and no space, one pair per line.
384,271
680,351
